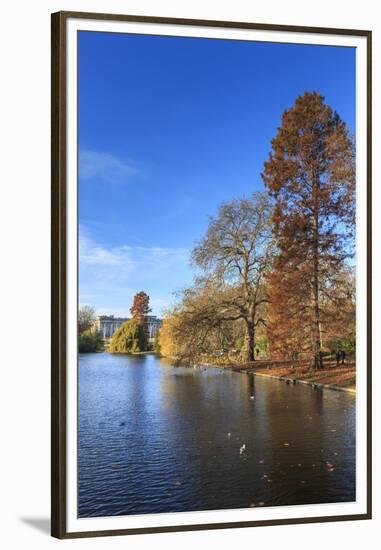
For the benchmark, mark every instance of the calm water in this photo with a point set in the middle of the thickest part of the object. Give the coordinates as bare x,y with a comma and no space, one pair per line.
154,438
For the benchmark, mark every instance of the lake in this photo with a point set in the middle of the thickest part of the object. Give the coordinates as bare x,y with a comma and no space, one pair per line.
158,438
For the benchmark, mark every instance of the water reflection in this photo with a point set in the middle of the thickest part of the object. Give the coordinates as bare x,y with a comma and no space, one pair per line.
155,438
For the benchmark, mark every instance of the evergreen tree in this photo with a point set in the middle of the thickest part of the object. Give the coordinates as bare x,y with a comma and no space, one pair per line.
129,338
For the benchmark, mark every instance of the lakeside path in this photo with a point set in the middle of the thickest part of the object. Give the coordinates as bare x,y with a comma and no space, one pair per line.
337,378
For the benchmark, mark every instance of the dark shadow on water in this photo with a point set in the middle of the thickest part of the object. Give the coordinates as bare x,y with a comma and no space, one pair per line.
41,524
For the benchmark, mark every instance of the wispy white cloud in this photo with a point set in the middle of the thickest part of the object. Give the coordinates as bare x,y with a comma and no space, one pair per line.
112,275
127,256
102,166
93,254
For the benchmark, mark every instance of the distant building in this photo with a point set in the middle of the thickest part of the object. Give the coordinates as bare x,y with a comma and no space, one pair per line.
106,325
154,324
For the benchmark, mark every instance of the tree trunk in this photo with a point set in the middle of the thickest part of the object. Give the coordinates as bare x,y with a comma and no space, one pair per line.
316,327
248,346
316,308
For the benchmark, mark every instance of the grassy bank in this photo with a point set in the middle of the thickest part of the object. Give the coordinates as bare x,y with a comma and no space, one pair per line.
336,377
342,377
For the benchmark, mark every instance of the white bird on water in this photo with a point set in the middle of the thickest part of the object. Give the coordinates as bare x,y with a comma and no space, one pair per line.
242,448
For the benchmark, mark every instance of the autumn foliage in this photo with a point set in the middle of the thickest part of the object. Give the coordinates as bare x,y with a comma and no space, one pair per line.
140,307
225,309
310,174
277,267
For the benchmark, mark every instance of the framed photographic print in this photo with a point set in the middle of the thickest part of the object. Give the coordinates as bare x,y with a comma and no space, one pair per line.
211,300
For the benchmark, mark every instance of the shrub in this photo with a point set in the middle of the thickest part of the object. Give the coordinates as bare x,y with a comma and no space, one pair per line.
131,337
342,343
89,342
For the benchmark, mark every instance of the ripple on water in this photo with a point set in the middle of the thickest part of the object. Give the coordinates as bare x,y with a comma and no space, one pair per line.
154,438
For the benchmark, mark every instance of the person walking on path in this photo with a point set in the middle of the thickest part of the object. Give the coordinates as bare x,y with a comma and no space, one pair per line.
343,356
338,357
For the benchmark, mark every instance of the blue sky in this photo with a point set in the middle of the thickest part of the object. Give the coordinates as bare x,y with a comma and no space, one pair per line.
168,129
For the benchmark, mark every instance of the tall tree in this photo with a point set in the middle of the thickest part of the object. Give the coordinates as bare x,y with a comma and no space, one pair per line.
140,307
86,318
311,175
237,251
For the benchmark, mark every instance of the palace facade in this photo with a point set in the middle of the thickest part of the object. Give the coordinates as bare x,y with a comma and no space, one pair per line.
106,325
